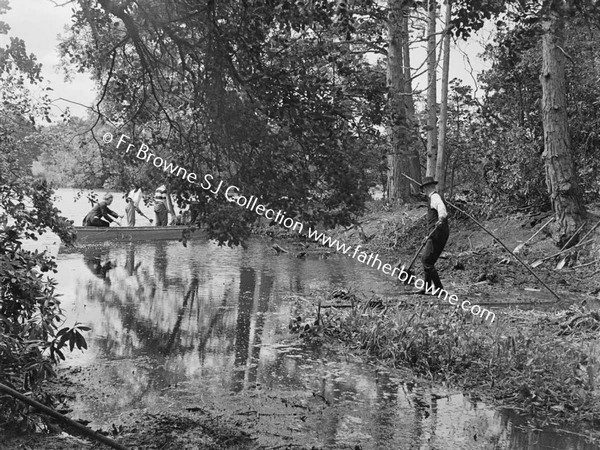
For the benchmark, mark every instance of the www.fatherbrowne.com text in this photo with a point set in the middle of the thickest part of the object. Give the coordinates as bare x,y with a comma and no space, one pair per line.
232,194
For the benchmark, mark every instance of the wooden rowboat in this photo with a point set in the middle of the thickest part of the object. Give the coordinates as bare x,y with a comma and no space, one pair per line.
99,234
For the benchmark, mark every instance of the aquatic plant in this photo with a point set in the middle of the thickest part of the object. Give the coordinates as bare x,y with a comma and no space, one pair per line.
523,361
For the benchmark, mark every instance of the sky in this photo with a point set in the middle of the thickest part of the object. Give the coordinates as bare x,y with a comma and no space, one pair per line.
39,23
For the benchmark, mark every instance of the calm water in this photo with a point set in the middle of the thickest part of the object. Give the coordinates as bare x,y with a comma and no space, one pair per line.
173,326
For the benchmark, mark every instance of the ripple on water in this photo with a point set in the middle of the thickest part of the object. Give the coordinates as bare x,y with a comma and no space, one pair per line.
174,326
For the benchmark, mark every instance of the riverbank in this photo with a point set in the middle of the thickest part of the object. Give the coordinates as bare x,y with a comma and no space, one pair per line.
540,356
543,365
473,263
266,418
160,347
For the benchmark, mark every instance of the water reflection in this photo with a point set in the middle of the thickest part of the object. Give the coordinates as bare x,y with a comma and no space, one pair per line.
96,260
176,322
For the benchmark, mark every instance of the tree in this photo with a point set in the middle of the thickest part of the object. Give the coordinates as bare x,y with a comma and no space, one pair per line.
401,155
441,150
431,89
70,158
277,99
29,308
514,93
414,165
546,20
561,176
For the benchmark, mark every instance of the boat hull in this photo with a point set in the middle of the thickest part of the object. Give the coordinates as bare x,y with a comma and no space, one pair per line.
100,234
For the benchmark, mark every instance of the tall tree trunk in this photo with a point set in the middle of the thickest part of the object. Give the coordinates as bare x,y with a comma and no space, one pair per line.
441,149
414,165
410,103
399,155
561,176
431,91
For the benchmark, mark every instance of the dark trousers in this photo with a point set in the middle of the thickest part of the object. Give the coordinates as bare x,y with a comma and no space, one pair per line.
96,222
433,249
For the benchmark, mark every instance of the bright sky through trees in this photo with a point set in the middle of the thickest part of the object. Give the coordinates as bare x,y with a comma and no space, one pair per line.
39,22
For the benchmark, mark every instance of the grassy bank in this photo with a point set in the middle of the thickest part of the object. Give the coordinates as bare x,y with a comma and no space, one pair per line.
541,364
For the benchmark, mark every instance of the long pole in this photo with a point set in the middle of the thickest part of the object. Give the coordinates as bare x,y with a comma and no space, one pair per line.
497,240
52,413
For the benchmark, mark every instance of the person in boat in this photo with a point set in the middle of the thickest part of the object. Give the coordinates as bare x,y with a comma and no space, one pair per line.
195,210
133,205
183,218
101,215
162,206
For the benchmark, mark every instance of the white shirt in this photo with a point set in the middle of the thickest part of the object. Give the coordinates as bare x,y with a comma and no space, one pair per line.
136,196
438,205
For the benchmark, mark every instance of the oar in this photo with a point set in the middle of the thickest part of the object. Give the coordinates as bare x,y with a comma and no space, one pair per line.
583,241
519,247
145,216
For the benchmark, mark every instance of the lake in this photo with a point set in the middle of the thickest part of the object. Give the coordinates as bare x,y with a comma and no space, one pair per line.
173,325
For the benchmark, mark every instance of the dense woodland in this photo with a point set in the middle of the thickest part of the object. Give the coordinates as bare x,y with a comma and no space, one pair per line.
306,105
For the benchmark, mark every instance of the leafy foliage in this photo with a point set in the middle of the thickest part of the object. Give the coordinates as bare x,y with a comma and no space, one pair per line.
496,142
535,369
275,97
492,165
69,157
513,100
29,309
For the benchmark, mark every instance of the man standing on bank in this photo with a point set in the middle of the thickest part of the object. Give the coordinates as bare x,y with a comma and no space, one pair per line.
437,220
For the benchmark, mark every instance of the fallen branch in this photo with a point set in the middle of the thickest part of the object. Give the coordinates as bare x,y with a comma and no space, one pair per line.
539,261
586,264
279,249
505,247
62,418
564,247
591,230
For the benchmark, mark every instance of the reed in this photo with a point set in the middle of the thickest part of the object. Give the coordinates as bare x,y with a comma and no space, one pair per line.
522,361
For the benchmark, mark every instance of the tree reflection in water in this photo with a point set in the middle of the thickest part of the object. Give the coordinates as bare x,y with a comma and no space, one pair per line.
209,318
94,257
242,328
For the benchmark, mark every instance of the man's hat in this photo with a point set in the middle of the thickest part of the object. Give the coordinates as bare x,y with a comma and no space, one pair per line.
427,181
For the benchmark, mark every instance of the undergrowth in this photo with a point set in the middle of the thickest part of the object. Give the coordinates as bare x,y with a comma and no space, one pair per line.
524,360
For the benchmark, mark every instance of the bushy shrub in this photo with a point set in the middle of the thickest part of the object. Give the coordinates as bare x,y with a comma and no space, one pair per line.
30,314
